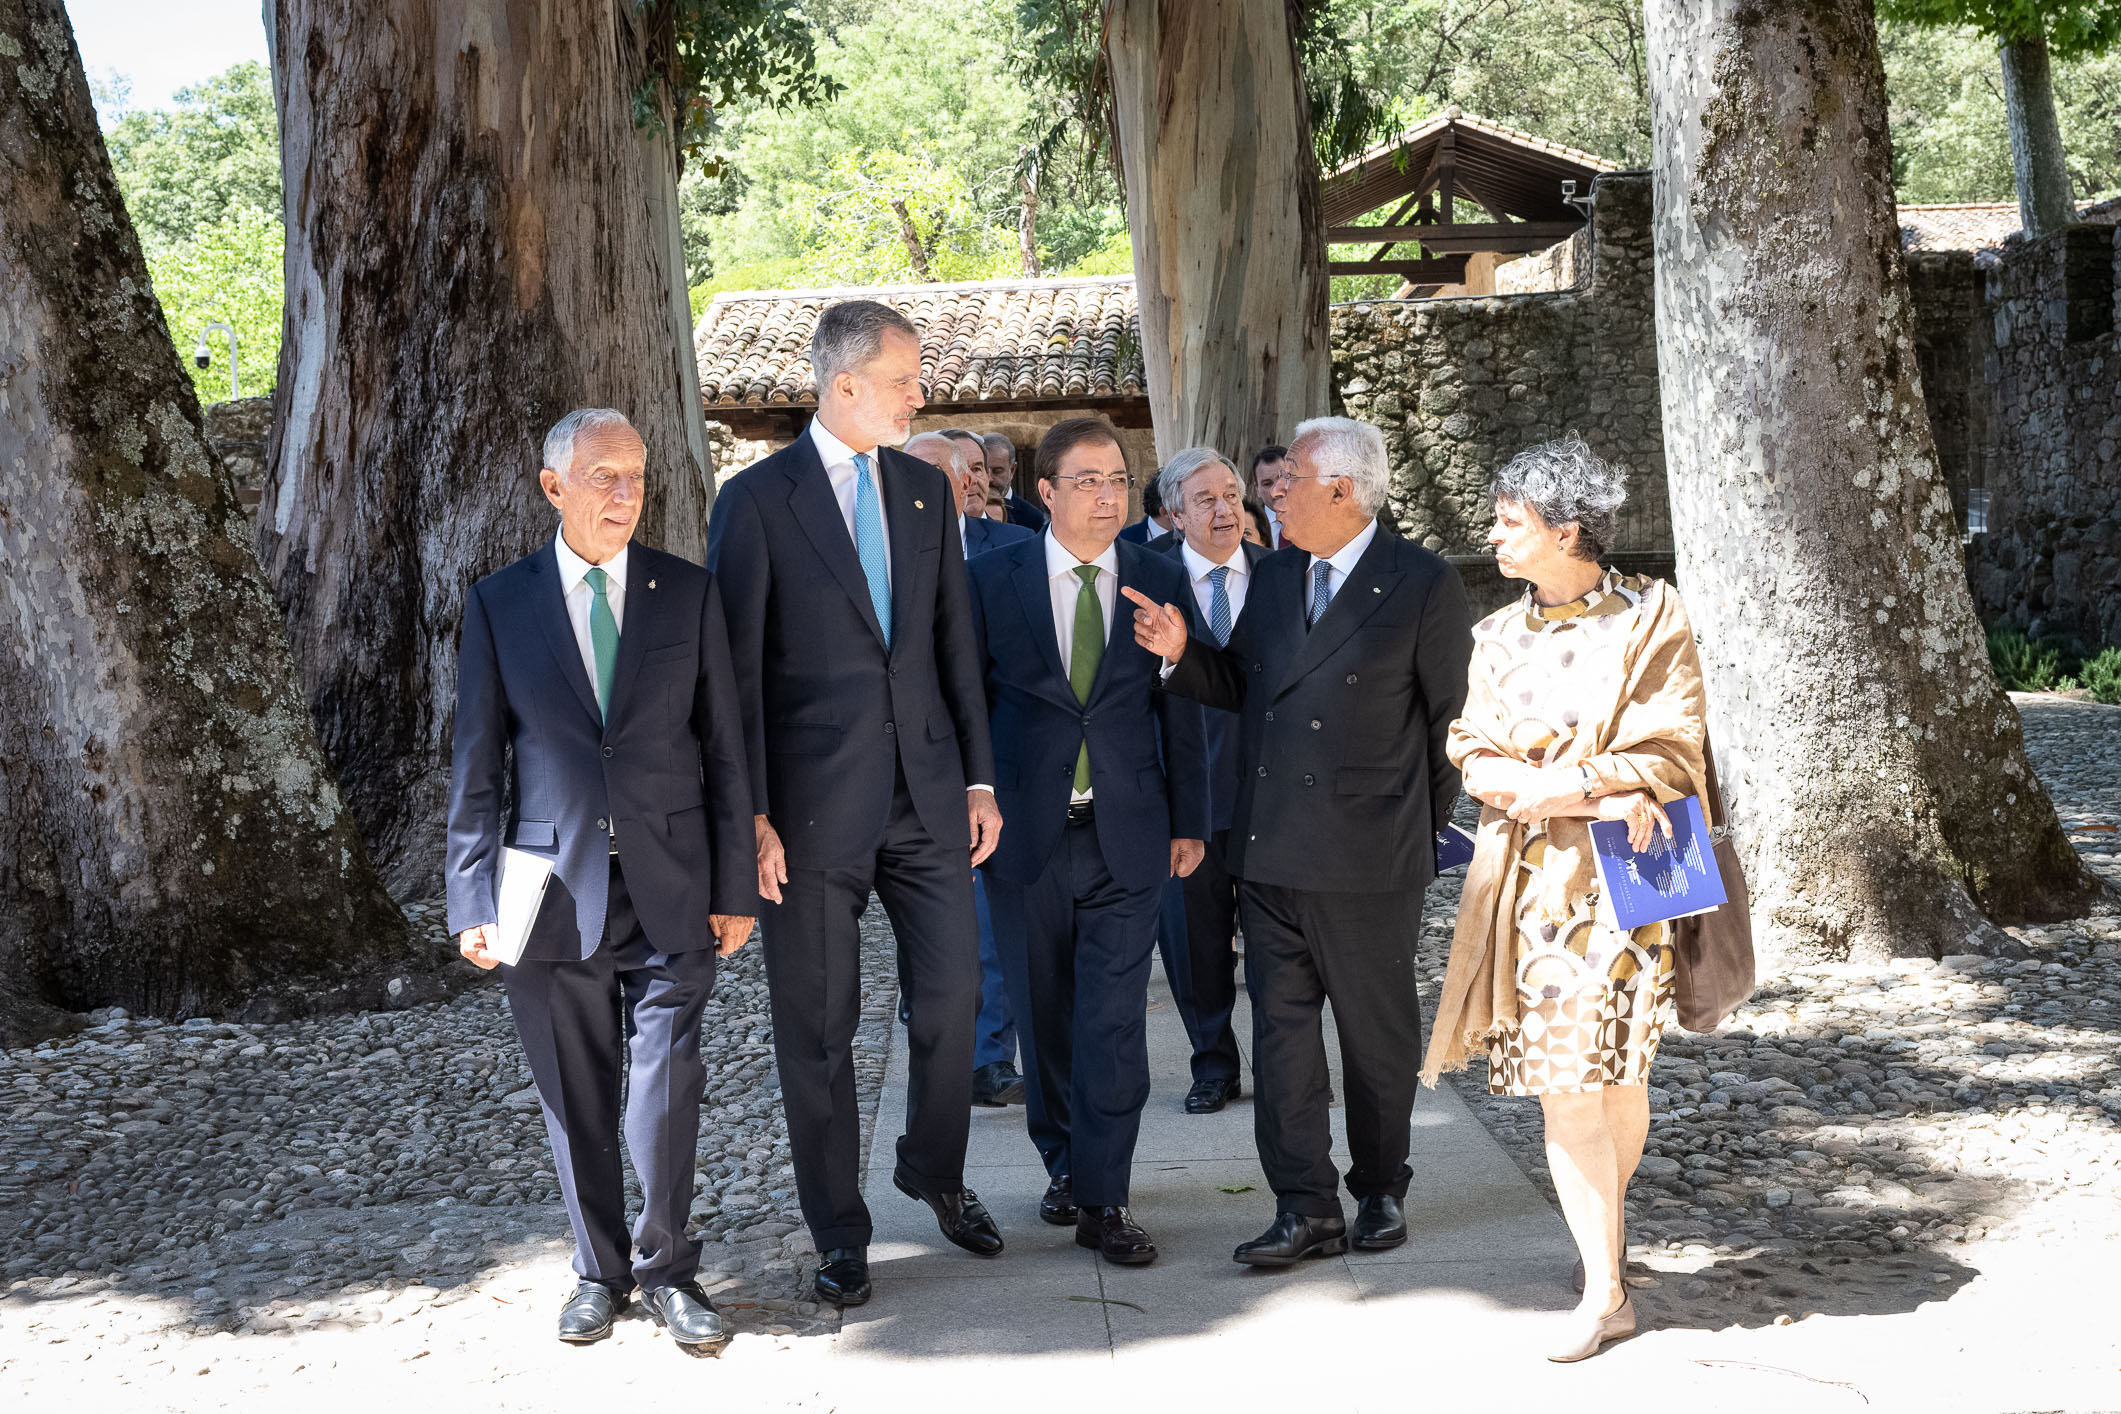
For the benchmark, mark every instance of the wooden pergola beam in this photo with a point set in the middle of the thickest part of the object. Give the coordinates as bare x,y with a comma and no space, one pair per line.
1545,232
1441,270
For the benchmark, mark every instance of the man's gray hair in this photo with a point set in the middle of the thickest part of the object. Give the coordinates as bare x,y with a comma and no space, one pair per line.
1171,481
959,465
1341,446
1564,481
851,333
559,443
994,440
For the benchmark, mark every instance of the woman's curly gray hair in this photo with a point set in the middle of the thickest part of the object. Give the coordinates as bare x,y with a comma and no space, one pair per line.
1563,481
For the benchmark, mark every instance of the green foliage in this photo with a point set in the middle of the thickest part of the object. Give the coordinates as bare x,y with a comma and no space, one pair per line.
2021,664
706,56
2101,675
187,167
2073,28
228,271
890,216
1112,256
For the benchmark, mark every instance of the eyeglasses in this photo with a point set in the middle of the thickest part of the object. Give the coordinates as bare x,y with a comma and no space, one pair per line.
1094,483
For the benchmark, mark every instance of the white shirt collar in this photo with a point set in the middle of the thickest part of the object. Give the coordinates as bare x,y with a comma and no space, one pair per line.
1198,566
573,568
1059,561
830,449
1345,557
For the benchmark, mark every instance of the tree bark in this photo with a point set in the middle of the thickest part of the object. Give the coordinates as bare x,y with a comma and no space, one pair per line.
1222,199
1027,218
916,253
172,841
471,252
2037,157
1877,774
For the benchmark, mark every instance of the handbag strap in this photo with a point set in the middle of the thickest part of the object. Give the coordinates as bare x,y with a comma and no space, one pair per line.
1718,820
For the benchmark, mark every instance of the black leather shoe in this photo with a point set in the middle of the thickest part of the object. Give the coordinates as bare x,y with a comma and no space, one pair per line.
1293,1238
588,1314
1113,1233
997,1085
961,1216
1379,1224
843,1276
1058,1206
1208,1096
687,1314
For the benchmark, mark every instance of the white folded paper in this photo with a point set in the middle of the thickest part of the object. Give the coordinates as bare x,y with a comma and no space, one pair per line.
522,891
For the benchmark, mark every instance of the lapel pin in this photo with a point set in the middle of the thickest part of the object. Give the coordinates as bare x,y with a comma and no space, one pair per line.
651,584
1374,589
920,505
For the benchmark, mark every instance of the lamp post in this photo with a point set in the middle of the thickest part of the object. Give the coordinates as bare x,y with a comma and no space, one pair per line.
203,357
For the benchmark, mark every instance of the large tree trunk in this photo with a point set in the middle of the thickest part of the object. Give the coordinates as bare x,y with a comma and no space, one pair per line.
1876,772
1222,199
471,252
172,841
2037,157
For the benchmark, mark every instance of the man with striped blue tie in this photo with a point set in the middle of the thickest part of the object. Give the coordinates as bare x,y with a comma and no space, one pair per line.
851,631
1198,922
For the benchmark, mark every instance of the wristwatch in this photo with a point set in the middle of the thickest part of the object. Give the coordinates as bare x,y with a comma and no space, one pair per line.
1590,782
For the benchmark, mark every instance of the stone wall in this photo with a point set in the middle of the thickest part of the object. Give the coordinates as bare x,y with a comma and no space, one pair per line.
239,430
2052,555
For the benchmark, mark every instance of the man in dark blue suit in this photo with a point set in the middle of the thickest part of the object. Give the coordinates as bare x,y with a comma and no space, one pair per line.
597,726
1001,474
1098,822
1347,668
858,675
1155,523
1199,919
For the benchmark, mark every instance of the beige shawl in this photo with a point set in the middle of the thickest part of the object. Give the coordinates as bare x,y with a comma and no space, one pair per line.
1640,726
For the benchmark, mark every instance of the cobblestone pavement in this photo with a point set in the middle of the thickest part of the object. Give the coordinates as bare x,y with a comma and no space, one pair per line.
1854,1126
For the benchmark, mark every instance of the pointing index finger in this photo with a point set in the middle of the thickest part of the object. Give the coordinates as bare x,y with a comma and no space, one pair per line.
1140,598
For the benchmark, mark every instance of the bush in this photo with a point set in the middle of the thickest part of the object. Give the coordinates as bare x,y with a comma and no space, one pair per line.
2023,664
2101,675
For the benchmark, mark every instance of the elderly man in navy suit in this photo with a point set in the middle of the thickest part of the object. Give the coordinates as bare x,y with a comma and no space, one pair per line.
851,632
597,726
1199,920
1101,816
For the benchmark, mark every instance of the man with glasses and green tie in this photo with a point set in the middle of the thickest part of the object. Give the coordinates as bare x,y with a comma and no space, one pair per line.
1104,782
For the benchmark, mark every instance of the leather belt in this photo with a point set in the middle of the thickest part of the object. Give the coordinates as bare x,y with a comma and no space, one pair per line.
1081,812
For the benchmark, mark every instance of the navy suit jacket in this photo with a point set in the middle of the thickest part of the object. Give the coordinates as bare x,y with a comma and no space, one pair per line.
1024,513
1221,725
1342,776
1143,802
668,765
830,710
982,534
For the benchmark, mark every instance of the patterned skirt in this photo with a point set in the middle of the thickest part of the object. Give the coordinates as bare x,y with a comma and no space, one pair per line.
1592,1003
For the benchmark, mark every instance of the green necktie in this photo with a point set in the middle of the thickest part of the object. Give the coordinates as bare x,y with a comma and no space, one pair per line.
1084,656
603,638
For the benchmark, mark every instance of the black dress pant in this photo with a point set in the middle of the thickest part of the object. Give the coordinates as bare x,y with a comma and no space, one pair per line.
624,1013
1194,930
814,977
1075,949
1304,948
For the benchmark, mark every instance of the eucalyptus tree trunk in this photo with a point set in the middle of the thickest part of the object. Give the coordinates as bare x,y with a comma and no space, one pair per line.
1875,770
171,839
2037,157
473,249
1222,199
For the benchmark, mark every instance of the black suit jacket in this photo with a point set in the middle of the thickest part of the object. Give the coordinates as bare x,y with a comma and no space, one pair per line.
668,766
982,535
1341,768
1221,726
829,710
1022,512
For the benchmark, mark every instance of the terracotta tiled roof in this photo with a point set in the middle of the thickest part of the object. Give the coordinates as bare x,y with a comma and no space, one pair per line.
1973,225
1454,115
1003,341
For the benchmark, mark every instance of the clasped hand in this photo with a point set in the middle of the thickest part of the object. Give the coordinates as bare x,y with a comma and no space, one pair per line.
1526,793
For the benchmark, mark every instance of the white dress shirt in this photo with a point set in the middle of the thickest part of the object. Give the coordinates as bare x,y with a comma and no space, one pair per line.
838,458
575,590
1343,562
1063,586
1199,566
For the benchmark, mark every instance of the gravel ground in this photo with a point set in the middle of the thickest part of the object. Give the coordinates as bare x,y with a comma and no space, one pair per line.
1854,1127
261,1178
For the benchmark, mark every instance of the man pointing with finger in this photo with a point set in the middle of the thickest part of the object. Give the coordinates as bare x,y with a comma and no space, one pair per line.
841,562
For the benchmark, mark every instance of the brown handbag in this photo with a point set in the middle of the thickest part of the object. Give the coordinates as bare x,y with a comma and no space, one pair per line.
1713,951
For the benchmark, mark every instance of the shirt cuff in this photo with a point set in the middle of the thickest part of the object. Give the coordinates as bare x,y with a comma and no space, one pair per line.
970,789
1166,670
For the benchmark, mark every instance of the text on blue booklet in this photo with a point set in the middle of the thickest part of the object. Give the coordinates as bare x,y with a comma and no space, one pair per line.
1673,878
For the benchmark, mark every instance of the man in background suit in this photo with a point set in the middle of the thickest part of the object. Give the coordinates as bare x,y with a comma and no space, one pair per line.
1099,823
595,695
1199,914
840,560
1348,665
1154,528
1001,472
995,1080
1270,471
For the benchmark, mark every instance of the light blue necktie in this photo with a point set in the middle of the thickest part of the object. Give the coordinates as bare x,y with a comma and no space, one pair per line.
1321,590
869,542
1219,604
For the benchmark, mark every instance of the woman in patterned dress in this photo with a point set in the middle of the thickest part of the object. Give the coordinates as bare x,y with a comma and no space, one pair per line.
1584,701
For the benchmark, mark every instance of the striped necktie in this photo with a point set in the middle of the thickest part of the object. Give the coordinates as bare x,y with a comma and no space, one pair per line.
1321,590
1219,604
869,542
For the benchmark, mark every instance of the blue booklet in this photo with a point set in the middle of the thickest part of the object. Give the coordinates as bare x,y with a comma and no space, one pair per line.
1673,878
1453,848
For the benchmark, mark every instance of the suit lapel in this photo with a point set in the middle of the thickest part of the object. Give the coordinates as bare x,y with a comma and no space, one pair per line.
902,527
550,603
642,608
817,511
1368,587
1130,577
1037,598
